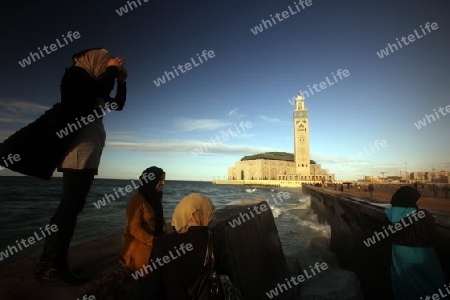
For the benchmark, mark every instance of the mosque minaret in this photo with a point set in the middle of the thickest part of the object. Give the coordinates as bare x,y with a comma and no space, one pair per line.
301,137
281,168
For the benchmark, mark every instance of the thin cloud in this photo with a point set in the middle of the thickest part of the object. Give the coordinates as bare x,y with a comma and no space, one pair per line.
19,112
119,135
180,146
4,134
15,120
201,124
234,113
21,107
270,120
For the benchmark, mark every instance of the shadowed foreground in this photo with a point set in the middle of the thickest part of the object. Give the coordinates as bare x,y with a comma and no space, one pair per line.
254,248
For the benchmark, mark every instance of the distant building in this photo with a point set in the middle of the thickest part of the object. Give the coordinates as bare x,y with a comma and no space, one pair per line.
429,177
282,165
371,178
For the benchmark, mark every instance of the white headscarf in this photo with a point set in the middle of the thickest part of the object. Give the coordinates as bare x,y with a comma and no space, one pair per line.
94,61
193,210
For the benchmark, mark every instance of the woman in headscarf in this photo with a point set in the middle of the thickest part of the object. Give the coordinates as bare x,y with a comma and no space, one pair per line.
85,89
416,271
178,257
144,220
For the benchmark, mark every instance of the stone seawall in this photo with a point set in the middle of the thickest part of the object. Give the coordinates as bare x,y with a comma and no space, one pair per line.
352,221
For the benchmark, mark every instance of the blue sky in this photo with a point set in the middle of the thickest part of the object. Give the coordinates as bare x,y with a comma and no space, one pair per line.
250,79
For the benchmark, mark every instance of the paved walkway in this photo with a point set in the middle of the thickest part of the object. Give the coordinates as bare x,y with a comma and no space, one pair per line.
385,192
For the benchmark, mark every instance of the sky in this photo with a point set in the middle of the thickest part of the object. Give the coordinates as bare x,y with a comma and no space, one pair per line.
248,80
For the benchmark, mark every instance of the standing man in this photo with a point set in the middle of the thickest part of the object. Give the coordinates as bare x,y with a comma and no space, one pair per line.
446,190
435,190
371,189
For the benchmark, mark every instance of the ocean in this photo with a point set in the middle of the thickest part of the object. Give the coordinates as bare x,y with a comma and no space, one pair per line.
28,204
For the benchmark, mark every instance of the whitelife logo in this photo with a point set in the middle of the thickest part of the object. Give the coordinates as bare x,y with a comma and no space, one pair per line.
225,137
86,297
437,296
398,226
31,240
161,261
124,9
423,123
188,66
243,217
285,14
12,158
27,61
323,85
296,280
411,38
72,127
128,189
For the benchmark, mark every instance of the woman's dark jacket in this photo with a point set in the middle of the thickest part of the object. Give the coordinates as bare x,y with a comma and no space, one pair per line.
39,147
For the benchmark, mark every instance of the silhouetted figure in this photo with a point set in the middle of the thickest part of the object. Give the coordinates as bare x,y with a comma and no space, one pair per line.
371,189
415,185
415,270
85,88
446,190
435,190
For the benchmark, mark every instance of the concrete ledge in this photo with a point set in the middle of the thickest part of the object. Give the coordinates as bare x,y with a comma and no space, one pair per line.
279,183
354,220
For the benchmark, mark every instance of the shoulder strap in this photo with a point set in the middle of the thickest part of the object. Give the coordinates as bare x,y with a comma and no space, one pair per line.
209,257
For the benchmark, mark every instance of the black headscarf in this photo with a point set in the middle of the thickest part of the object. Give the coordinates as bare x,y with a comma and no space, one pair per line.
153,197
406,196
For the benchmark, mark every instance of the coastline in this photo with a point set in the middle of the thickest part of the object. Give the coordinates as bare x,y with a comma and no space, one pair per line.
99,260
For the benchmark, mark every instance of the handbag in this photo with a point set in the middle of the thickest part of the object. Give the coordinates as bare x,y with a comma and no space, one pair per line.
210,284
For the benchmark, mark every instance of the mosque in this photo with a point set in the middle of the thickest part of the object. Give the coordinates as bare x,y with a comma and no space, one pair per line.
281,166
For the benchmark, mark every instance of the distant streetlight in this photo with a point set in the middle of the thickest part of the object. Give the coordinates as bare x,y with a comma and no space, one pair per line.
371,168
406,174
